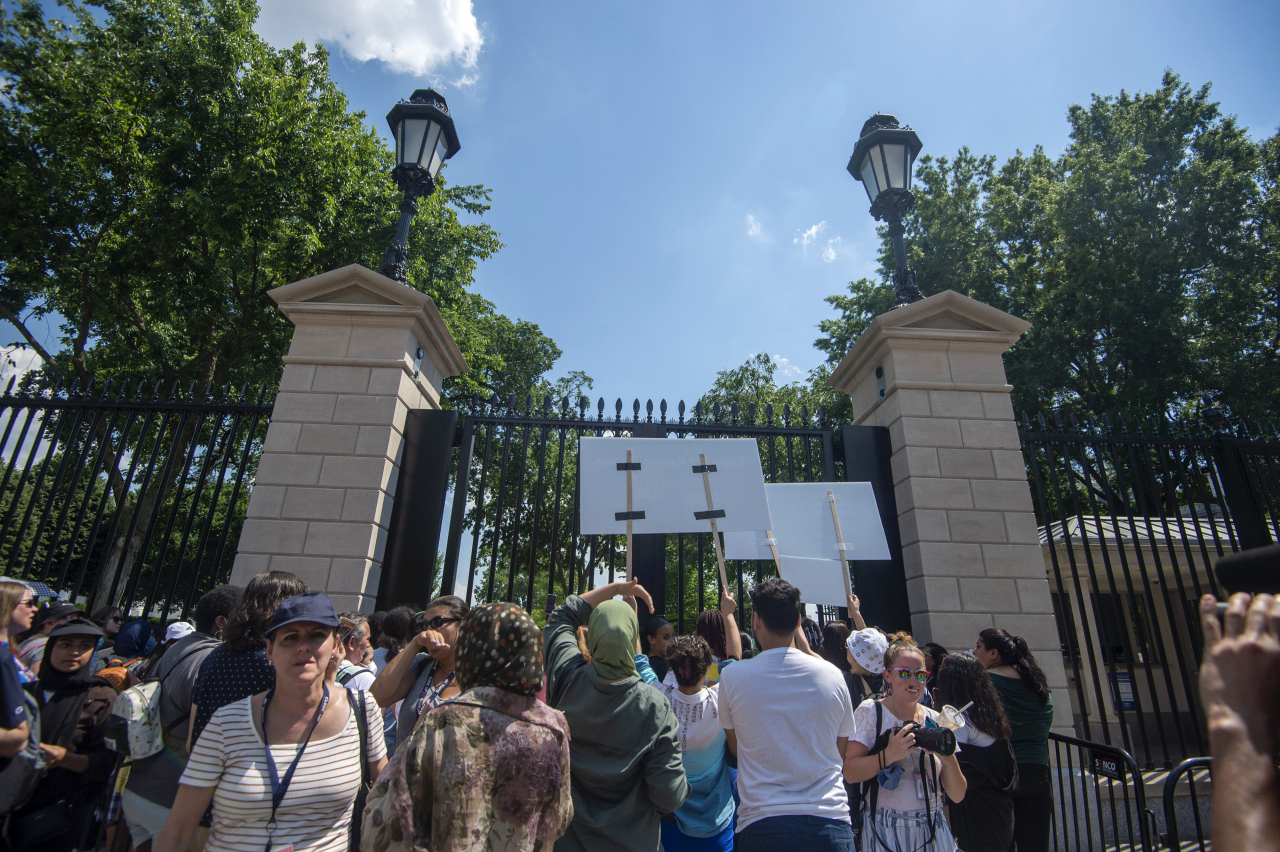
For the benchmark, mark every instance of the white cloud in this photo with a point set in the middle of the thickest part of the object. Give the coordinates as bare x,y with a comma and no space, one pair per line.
787,370
829,253
16,361
410,36
753,228
805,237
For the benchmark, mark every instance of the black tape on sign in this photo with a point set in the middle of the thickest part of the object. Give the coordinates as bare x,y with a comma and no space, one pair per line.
628,516
628,465
704,468
706,516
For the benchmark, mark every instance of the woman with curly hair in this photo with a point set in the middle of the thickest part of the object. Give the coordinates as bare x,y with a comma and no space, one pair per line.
719,630
983,822
1024,692
705,821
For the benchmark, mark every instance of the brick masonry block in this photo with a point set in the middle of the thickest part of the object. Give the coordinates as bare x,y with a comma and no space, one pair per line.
957,404
1010,464
328,438
372,410
352,576
341,539
1021,527
288,469
1006,495
265,501
944,559
378,441
356,472
997,406
990,434
914,402
1014,560
1040,631
389,381
951,630
965,464
976,526
247,565
297,377
334,379
312,570
323,341
939,493
987,595
929,432
975,368
1034,595
918,365
923,525
381,342
933,594
282,437
303,407
370,506
313,504
263,536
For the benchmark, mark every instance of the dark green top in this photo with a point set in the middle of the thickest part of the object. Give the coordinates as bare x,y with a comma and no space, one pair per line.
1029,719
624,752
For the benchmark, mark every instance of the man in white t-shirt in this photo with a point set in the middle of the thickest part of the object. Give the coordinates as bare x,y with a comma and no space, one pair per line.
357,670
787,717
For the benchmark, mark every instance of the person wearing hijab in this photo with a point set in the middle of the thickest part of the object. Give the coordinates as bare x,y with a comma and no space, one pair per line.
487,770
625,762
74,706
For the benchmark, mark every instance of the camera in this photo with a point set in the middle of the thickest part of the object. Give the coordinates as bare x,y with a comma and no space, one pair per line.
937,740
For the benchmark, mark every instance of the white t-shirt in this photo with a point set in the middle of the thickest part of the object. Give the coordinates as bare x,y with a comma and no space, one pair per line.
970,735
909,794
316,811
361,680
787,709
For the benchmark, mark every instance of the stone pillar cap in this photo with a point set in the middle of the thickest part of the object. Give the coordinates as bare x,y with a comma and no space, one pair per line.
945,316
347,295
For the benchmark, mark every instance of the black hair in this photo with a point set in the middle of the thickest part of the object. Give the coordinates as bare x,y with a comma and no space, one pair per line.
103,614
689,657
651,629
812,634
455,606
934,654
777,602
963,679
375,627
397,628
748,649
218,601
710,626
1014,652
834,650
247,626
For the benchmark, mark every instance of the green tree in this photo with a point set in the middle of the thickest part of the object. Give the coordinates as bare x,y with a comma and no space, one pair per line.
1144,257
163,168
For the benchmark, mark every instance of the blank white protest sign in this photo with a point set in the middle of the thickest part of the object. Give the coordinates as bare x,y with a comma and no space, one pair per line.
802,524
666,487
819,580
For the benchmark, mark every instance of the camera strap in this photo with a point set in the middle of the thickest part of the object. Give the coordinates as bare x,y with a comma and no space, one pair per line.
931,816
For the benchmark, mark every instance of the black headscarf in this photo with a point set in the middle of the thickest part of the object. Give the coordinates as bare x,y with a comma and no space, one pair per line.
61,711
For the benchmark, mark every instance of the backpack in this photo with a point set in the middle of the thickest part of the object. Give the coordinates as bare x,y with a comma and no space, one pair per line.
134,728
19,779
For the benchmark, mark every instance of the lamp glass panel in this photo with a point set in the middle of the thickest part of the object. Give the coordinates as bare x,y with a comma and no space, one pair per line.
877,164
400,141
869,178
429,148
437,156
896,156
414,130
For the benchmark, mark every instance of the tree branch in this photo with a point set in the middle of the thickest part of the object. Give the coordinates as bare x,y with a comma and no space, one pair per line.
5,313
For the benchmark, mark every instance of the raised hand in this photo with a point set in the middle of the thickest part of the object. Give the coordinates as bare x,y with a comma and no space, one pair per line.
728,606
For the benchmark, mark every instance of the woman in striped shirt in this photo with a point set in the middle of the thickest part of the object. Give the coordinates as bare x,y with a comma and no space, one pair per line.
282,768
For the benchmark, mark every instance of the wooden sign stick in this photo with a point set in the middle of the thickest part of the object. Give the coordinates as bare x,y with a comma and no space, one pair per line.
629,521
844,564
773,545
715,532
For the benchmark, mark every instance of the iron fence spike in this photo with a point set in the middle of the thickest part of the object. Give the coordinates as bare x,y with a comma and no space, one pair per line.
648,410
715,412
8,391
804,414
822,414
635,411
768,414
751,413
124,391
1040,420
786,413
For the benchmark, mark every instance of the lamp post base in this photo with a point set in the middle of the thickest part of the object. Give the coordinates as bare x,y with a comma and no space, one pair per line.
415,186
905,289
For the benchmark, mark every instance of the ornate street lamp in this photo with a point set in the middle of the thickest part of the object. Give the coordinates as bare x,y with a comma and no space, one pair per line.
882,160
425,138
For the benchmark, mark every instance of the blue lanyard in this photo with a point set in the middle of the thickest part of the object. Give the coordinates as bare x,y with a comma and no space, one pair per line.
281,786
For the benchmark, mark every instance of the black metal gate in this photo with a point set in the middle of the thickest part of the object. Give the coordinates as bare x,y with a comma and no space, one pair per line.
1132,521
131,494
513,532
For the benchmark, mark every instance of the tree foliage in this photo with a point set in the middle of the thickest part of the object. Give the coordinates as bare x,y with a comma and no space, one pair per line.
1144,257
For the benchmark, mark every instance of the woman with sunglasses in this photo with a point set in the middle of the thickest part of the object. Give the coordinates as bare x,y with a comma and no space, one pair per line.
17,606
423,676
902,809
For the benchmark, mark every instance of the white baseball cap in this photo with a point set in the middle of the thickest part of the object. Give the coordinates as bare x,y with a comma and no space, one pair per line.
867,647
178,630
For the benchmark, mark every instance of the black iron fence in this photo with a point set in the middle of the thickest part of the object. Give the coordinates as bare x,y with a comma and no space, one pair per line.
1100,798
1132,519
130,494
1187,816
513,533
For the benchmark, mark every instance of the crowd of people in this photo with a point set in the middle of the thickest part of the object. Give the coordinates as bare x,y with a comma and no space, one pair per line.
281,725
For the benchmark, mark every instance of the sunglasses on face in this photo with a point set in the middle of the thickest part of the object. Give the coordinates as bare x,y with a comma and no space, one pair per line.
438,622
31,602
906,674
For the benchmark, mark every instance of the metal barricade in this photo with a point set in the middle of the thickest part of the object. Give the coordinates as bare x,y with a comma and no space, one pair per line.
1200,811
1099,798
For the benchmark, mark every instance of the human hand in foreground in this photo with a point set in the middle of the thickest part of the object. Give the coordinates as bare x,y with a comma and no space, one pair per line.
1240,674
728,606
634,590
1240,687
431,641
900,744
855,612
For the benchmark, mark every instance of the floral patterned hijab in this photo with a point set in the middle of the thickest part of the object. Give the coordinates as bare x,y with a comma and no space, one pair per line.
499,645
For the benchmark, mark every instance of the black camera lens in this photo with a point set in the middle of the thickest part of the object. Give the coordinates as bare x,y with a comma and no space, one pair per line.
937,740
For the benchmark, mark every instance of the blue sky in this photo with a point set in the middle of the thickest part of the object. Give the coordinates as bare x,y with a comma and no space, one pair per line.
655,167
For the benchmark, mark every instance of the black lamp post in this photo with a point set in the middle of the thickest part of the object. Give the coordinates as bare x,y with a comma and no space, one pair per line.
425,138
882,160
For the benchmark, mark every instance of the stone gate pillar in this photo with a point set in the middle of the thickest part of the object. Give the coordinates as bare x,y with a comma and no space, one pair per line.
322,497
933,373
